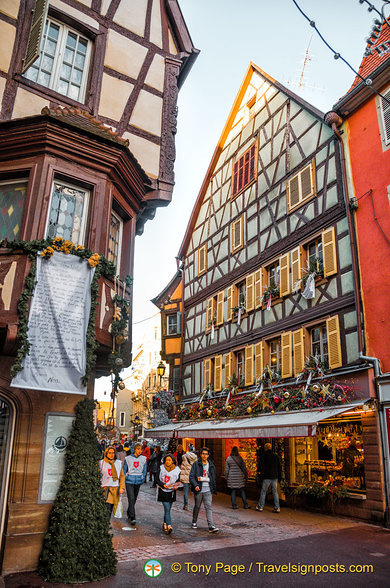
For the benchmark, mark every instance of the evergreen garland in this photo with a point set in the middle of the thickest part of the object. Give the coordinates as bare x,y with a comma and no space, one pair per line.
78,544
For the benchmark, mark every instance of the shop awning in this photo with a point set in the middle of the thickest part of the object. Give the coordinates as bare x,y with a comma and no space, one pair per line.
164,431
301,423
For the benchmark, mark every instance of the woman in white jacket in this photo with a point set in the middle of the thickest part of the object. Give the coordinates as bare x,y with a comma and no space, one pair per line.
186,464
168,482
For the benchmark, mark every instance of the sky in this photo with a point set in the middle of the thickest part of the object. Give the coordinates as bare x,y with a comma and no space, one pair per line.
230,34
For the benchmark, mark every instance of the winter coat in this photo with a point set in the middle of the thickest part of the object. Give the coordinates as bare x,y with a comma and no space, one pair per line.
155,462
186,464
197,470
270,466
134,469
235,472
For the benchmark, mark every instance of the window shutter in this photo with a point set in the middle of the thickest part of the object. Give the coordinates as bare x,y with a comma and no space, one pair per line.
229,303
228,367
306,182
235,179
293,192
206,372
202,259
286,355
296,265
178,323
244,170
386,116
299,351
249,297
284,263
237,234
258,286
249,365
220,304
218,373
259,359
209,313
334,346
36,32
329,252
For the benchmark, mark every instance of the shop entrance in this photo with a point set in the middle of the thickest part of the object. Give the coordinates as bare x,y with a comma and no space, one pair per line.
6,438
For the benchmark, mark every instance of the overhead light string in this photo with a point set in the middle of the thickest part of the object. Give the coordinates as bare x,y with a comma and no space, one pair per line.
337,55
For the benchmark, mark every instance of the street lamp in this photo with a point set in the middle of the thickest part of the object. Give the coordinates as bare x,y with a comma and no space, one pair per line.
161,370
136,423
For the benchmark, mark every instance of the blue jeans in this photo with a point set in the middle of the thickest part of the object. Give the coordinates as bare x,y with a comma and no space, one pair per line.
186,489
264,489
233,495
167,512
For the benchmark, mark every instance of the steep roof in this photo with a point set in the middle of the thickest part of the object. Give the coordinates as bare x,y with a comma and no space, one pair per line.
161,298
374,66
228,125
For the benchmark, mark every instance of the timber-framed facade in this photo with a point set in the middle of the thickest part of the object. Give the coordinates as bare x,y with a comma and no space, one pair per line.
247,307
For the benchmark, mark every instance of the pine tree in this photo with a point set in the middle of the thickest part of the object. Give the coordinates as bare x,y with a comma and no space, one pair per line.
78,544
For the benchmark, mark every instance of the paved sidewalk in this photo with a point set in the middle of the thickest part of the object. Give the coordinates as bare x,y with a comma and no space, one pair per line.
241,532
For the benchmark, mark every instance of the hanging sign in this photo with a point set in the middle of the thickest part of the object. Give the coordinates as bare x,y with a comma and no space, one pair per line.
57,326
57,431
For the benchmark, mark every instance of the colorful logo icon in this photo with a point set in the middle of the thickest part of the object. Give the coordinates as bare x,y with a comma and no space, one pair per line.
153,568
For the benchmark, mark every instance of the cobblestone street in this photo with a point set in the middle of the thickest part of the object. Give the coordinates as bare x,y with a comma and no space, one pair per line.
247,538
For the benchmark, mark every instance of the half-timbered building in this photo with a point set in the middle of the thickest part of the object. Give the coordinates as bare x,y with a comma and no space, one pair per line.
270,304
88,92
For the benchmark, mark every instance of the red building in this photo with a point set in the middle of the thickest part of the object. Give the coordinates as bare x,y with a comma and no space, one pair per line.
365,111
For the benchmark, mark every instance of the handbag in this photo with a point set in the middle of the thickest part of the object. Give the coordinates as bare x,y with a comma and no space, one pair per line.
118,514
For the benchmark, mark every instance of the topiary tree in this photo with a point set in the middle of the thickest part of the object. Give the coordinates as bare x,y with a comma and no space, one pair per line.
78,544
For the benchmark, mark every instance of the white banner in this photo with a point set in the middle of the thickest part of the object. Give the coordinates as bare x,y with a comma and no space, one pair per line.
58,428
57,326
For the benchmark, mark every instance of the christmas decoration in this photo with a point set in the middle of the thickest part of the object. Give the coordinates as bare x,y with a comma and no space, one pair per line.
270,293
78,545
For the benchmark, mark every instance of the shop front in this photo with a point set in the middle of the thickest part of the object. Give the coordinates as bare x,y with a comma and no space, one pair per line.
331,458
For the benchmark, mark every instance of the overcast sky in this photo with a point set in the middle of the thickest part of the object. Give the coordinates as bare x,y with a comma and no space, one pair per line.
230,34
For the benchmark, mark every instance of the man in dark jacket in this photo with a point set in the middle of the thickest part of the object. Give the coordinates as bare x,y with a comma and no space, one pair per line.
203,479
271,473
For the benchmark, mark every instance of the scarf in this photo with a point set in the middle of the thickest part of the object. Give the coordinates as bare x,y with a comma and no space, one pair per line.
113,468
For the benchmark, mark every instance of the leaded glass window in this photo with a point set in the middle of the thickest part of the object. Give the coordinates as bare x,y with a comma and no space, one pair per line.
114,245
63,61
68,213
12,198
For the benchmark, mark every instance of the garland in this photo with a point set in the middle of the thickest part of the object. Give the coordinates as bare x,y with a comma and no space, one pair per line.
103,267
293,397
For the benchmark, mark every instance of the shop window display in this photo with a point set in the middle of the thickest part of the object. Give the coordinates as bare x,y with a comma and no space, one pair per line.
247,449
335,455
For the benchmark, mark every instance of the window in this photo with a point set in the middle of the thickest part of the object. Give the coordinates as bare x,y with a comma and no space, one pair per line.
12,198
215,310
275,357
63,60
238,234
251,107
240,365
176,379
202,259
68,213
115,240
319,343
301,187
244,171
174,323
122,419
385,117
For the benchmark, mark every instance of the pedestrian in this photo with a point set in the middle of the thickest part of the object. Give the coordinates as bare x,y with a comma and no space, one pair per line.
186,464
113,479
134,469
236,476
271,473
178,455
155,463
168,482
121,453
146,450
203,484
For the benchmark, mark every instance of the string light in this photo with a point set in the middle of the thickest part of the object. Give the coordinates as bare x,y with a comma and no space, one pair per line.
336,55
